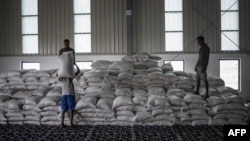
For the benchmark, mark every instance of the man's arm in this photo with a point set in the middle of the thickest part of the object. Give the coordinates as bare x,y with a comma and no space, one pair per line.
77,68
204,61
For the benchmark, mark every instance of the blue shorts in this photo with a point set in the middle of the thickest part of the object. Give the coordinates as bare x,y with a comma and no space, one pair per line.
68,102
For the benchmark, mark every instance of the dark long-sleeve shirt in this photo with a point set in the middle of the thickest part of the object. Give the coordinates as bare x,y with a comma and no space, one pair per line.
203,57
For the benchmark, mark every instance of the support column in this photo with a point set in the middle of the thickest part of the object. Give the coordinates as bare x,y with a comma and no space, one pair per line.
129,27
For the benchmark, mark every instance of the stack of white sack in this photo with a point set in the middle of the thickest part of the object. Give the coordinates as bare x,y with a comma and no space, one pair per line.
29,79
160,107
186,83
176,102
32,79
144,61
15,81
215,81
123,107
167,67
94,78
132,91
13,107
120,66
195,111
9,76
94,110
49,107
228,107
157,79
140,109
30,107
101,65
5,95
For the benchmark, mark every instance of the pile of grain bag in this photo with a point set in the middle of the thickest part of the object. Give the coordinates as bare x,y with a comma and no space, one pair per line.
134,90
227,108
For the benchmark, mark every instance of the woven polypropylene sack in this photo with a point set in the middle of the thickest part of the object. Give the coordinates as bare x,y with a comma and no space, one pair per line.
66,66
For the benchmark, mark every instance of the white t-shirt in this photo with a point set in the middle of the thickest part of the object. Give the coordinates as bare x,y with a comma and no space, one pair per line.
67,88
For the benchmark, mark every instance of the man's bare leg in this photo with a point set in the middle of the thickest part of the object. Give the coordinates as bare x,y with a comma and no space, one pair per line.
207,90
62,122
71,117
197,87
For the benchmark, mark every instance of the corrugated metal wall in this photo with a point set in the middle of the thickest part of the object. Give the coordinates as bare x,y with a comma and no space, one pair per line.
148,26
109,25
201,17
10,27
55,24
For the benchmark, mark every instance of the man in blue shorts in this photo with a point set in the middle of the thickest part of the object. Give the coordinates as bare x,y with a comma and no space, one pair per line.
68,94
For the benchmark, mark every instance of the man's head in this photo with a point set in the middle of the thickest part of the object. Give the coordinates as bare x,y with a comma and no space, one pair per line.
66,42
200,40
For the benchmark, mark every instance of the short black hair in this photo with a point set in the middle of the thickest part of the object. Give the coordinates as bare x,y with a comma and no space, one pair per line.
66,40
200,38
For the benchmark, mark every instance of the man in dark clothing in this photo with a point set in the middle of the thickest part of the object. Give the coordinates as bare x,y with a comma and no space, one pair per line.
201,66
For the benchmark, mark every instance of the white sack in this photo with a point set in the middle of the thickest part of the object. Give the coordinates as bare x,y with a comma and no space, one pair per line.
56,108
177,92
230,106
200,122
33,100
154,69
20,94
193,106
48,101
192,98
13,105
161,111
125,113
231,98
105,103
161,117
225,89
140,100
56,91
9,73
142,116
121,101
31,108
66,66
49,113
14,114
125,76
89,102
32,122
157,100
37,73
40,92
156,76
215,100
176,101
16,78
196,112
139,92
123,92
157,91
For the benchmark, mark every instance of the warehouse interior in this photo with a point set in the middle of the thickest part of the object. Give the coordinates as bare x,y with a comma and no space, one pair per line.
137,60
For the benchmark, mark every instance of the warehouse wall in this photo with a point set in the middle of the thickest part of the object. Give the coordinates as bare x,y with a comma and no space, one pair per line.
109,25
56,22
51,62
